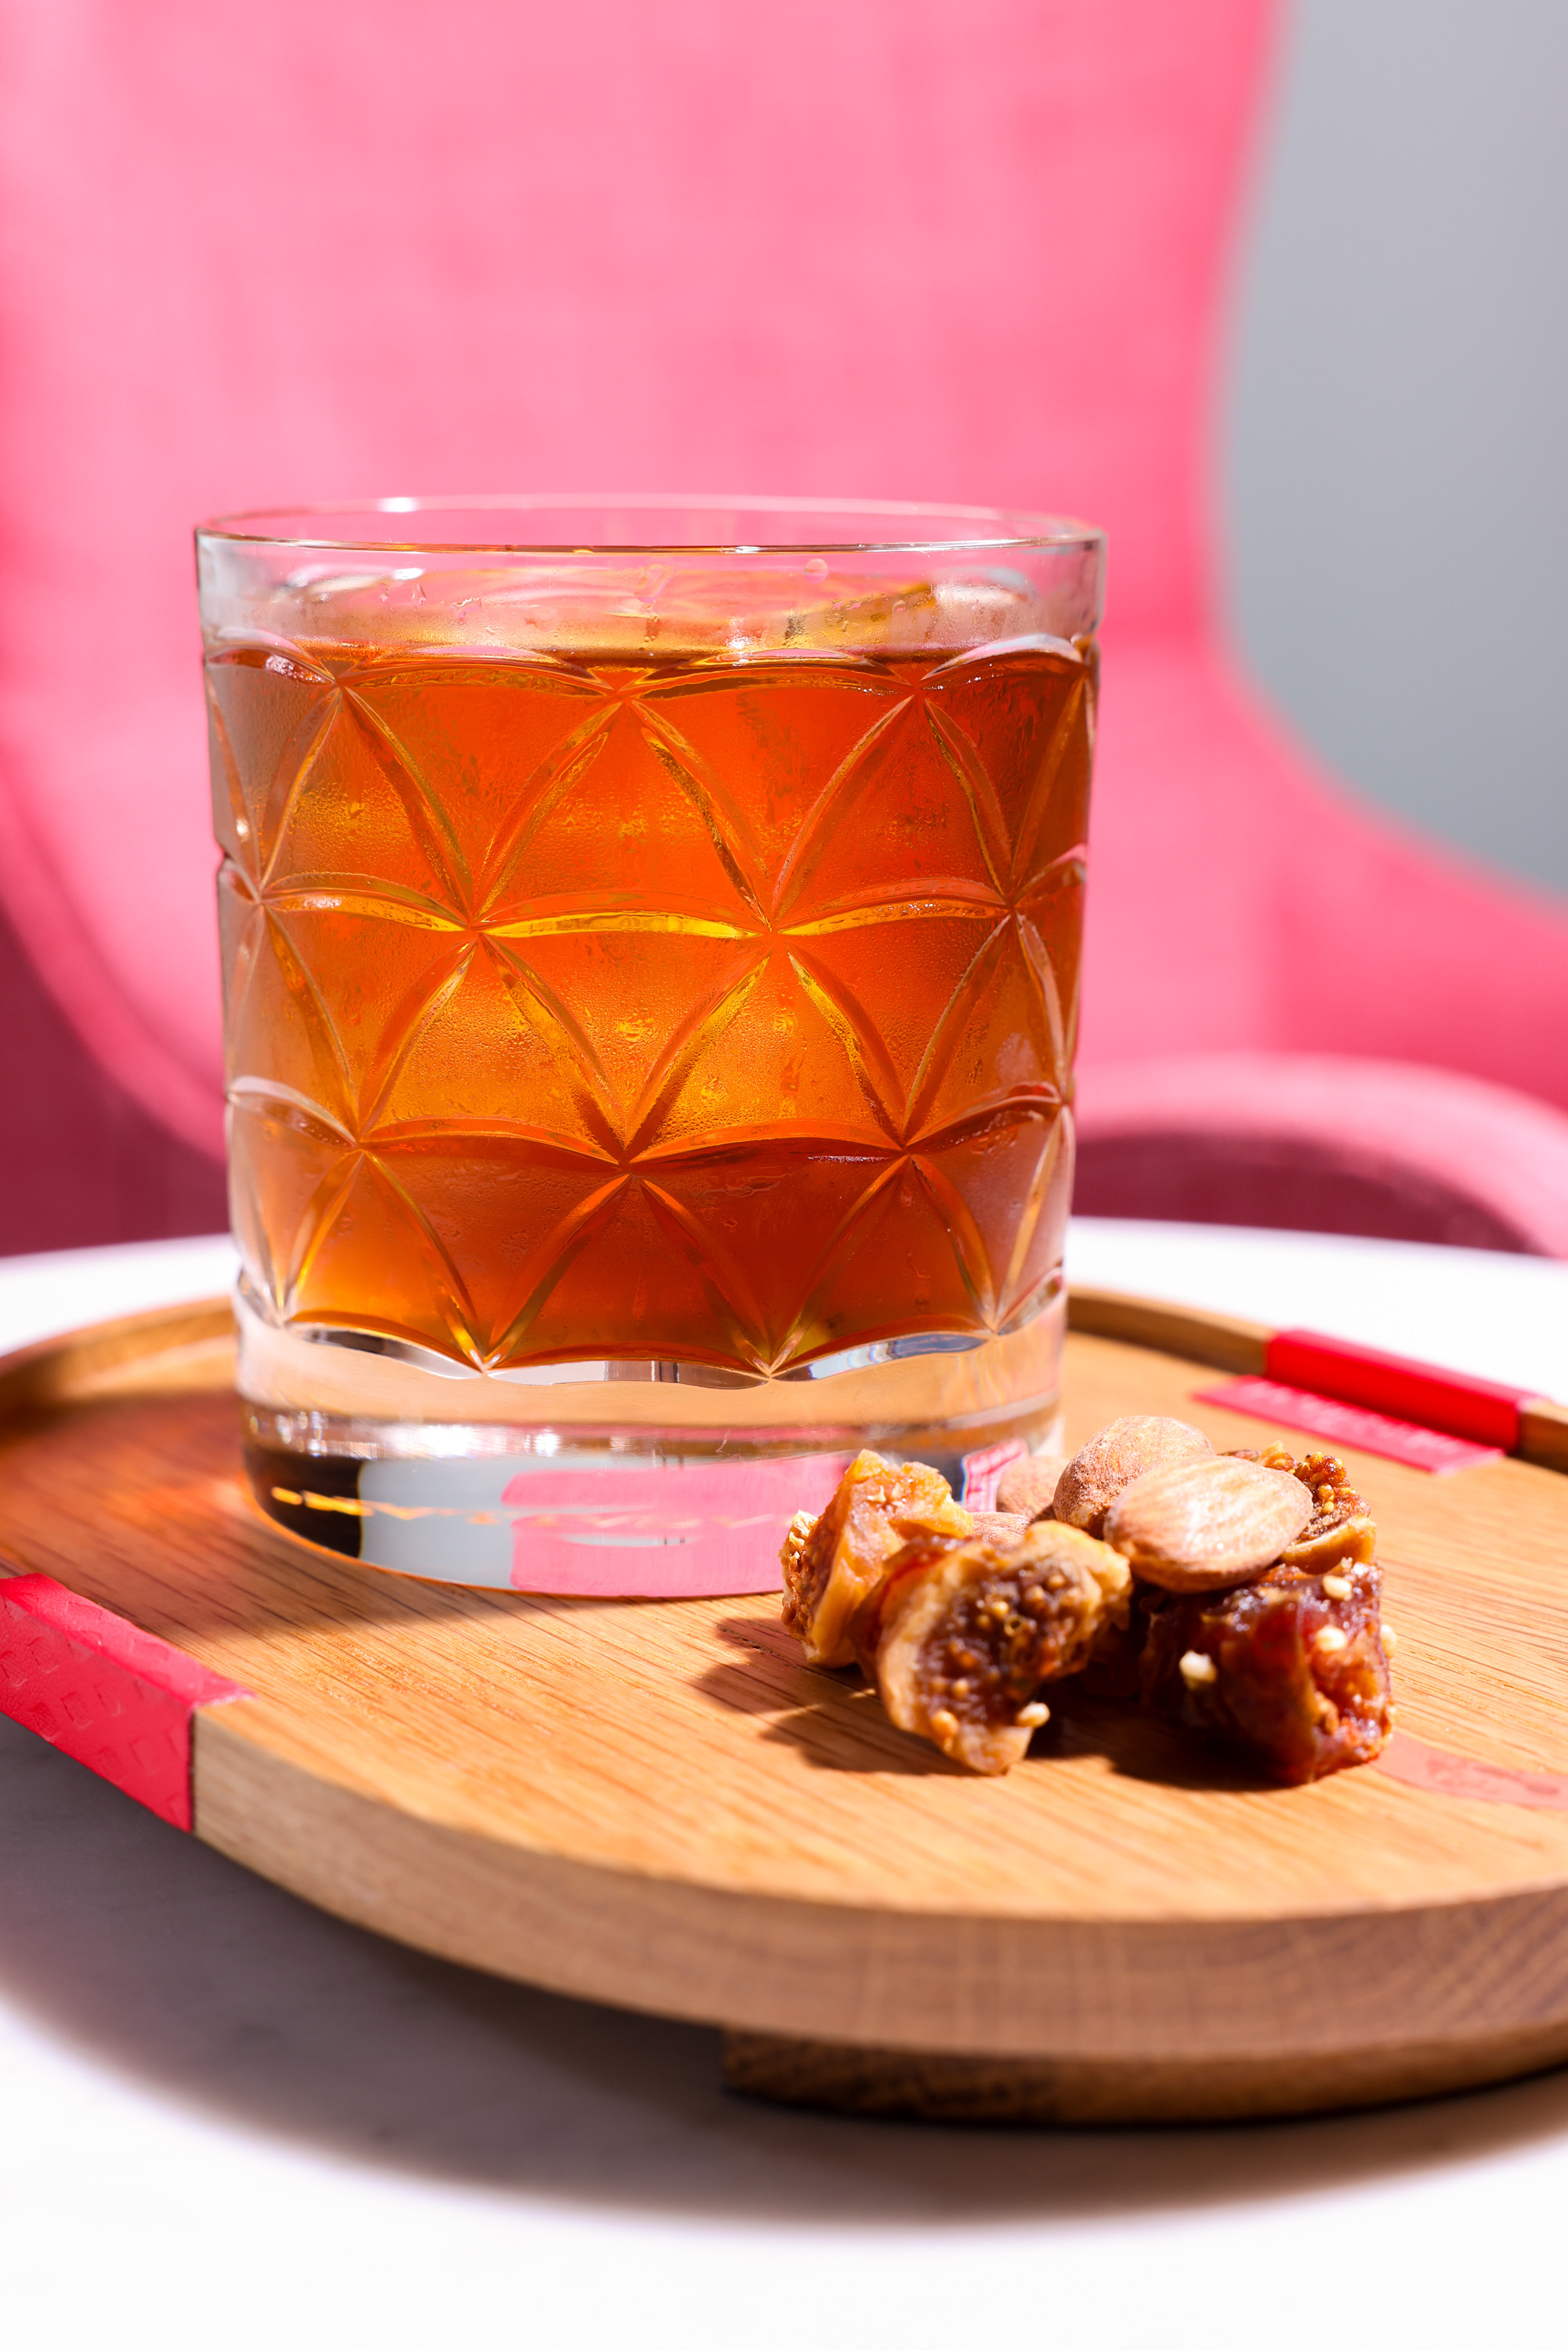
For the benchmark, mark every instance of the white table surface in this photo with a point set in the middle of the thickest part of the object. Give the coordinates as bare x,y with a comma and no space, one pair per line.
226,2117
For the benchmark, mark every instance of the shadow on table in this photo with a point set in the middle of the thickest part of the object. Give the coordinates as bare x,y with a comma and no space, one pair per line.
178,1969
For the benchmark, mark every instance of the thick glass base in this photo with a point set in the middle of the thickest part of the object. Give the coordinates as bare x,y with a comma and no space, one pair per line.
616,1479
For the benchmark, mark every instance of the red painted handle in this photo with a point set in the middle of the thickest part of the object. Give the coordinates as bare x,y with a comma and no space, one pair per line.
1481,1410
118,1699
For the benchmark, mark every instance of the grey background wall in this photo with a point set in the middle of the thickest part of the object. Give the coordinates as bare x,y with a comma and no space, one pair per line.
1395,453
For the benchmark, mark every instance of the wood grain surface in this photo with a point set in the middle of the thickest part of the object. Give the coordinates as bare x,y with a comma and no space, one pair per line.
657,1803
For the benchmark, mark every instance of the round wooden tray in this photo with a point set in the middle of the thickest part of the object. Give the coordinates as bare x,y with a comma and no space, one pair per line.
657,1804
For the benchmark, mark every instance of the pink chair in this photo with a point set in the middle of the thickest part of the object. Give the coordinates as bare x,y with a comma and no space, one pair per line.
880,250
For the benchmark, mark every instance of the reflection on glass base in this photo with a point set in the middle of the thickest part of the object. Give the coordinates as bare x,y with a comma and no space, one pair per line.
611,1480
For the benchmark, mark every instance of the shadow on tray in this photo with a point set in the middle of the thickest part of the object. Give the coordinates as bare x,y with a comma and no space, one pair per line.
837,1723
161,1959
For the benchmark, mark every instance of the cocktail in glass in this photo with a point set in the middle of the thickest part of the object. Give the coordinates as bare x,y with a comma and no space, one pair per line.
650,943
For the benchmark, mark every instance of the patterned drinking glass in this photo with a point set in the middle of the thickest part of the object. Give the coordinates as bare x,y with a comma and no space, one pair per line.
651,945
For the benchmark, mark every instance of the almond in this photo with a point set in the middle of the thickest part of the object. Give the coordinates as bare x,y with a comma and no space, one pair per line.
1122,1450
998,1527
1030,1485
1201,1526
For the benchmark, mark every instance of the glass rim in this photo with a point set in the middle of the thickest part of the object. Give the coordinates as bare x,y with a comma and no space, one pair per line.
1058,533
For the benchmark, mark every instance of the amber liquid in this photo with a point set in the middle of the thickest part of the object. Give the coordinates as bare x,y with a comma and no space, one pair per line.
702,1008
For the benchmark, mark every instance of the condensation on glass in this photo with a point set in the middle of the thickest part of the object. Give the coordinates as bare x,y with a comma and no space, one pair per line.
651,950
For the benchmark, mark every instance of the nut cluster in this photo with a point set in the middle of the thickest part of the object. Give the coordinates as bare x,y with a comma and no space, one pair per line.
1237,1593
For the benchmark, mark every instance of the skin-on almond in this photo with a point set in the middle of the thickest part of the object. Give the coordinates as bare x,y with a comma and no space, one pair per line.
1121,1452
1030,1485
1204,1525
998,1527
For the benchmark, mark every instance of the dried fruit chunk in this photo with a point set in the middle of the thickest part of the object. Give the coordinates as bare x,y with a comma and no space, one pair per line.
1294,1673
1207,1524
876,1507
965,1638
870,1618
794,1544
1272,1456
1120,1452
1341,1531
1030,1485
1341,1527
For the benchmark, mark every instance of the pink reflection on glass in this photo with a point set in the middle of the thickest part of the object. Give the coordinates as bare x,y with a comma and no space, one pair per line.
677,1531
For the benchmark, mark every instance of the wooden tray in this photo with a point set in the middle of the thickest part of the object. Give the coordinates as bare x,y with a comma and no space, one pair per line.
656,1804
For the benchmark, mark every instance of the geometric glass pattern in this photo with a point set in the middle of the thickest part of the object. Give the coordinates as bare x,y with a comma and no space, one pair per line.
696,1007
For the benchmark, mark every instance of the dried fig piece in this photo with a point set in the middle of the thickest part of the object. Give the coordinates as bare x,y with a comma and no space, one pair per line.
794,1544
1207,1524
1341,1527
1120,1452
964,1639
1030,1485
870,1616
1295,1673
876,1507
1341,1531
1272,1456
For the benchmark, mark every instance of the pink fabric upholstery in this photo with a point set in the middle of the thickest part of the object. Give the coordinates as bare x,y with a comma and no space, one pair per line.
1325,1141
890,249
80,1162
